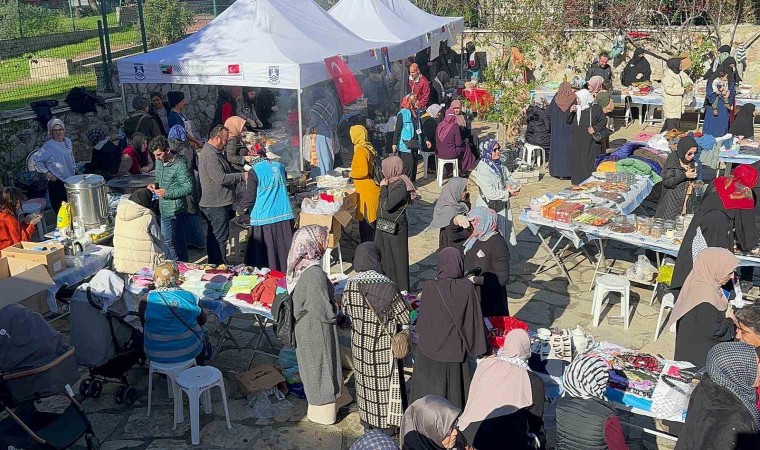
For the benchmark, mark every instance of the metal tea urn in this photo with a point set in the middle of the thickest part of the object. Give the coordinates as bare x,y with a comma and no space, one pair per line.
88,199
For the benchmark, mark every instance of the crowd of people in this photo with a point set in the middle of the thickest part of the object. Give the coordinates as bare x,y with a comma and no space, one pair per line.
452,401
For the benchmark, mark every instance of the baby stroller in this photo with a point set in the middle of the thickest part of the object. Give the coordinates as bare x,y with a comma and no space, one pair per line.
102,330
36,363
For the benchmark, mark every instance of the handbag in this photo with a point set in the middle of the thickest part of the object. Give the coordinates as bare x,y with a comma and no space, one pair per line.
208,349
401,341
387,225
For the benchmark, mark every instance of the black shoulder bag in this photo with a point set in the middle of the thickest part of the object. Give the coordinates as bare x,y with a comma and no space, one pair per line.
387,225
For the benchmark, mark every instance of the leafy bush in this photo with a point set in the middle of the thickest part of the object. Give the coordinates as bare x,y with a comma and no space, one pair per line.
35,20
166,21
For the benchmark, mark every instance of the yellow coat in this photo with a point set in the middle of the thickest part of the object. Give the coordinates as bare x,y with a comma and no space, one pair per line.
362,170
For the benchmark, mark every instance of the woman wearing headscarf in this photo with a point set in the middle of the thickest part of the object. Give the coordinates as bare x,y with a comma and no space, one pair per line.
266,202
725,219
430,423
235,149
450,138
637,70
450,214
377,311
675,84
719,105
589,118
450,331
363,173
490,176
723,52
55,159
316,331
438,91
374,440
320,140
744,122
137,235
595,85
584,418
677,179
430,120
700,312
392,231
247,108
177,103
561,131
506,399
487,250
723,410
226,104
539,125
407,136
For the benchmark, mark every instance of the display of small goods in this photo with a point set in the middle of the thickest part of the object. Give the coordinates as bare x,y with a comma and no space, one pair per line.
499,326
624,224
597,216
610,196
561,210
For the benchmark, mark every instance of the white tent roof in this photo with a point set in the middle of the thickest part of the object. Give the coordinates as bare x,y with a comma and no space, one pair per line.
397,21
260,43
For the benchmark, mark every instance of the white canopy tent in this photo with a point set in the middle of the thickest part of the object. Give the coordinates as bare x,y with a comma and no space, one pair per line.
397,21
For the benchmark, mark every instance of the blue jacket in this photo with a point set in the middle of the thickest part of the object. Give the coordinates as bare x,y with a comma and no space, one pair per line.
272,204
167,340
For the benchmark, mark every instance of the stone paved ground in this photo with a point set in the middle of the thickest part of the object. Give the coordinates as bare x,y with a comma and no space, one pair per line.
543,300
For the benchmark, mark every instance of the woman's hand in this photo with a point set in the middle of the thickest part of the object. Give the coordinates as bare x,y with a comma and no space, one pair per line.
513,191
691,173
462,221
33,219
395,149
590,130
573,108
51,177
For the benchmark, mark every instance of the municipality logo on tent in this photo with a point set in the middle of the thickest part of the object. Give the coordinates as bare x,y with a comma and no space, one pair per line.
274,74
139,71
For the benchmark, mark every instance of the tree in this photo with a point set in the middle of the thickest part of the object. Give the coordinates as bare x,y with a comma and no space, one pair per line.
33,21
166,21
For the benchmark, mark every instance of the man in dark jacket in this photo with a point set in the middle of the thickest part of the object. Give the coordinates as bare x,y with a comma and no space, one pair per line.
447,61
538,131
141,120
601,68
218,185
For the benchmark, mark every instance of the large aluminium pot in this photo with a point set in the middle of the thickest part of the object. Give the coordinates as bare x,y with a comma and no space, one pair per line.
88,199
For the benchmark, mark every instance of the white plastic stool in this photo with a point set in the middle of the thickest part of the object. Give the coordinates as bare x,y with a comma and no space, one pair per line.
425,159
171,370
194,382
326,259
441,164
611,283
531,152
667,302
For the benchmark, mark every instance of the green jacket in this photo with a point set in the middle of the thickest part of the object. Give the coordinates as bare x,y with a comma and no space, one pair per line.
175,178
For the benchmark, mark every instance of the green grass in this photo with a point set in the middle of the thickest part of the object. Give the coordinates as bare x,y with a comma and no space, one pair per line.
14,69
20,96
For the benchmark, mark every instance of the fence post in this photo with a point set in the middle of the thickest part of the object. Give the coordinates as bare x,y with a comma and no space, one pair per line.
103,61
103,13
71,13
20,19
141,20
215,9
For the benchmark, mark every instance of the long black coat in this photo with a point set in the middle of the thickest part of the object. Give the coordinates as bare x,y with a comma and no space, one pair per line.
584,149
539,127
492,256
717,420
674,186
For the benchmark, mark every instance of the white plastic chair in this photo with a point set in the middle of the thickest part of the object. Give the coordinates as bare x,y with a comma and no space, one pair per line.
611,283
667,302
532,152
171,370
425,159
326,259
195,382
439,169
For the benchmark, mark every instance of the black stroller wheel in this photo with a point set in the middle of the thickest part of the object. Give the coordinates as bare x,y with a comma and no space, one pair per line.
84,387
92,442
96,387
119,397
130,397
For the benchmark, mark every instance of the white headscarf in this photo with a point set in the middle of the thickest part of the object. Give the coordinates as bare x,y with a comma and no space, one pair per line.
52,123
585,100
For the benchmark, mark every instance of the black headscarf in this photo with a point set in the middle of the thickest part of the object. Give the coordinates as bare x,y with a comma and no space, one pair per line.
729,67
452,313
724,49
744,122
674,64
367,257
686,143
637,65
144,198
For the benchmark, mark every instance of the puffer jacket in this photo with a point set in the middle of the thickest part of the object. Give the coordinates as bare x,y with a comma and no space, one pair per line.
136,239
175,178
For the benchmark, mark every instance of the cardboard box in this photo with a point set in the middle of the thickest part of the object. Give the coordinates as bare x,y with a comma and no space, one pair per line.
54,258
24,282
332,222
259,378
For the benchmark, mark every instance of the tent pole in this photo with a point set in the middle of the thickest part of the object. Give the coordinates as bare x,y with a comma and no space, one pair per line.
300,124
461,55
123,98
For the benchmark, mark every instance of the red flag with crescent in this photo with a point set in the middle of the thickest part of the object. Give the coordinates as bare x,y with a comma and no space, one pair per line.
345,82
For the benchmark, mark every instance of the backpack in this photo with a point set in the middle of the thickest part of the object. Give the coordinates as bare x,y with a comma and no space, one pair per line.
284,320
378,173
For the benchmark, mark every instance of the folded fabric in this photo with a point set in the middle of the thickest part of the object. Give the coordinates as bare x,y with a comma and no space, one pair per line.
644,136
194,275
248,298
705,142
243,284
624,151
638,167
264,292
607,166
216,277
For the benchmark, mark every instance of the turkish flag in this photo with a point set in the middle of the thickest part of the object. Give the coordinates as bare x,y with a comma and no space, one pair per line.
345,82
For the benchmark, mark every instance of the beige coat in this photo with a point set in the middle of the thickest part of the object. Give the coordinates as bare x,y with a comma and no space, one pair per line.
136,239
673,90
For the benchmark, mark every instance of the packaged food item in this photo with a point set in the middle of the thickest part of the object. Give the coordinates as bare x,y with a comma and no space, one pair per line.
63,220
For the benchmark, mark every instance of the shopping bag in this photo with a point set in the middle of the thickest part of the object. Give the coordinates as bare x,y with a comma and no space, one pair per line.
345,82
